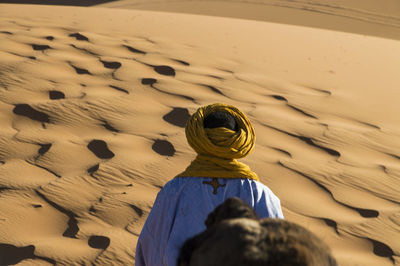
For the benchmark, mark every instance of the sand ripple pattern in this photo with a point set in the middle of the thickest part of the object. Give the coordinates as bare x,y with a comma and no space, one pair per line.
92,127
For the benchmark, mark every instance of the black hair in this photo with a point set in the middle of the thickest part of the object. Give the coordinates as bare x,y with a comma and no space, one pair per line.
220,119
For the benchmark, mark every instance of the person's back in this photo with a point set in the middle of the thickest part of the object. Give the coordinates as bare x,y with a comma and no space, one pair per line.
219,134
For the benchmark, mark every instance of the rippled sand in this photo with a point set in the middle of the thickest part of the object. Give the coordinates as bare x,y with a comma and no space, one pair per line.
93,106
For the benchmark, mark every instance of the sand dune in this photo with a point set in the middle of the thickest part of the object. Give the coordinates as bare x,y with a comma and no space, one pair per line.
361,17
93,106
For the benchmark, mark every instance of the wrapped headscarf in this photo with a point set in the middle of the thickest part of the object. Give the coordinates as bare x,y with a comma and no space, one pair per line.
218,148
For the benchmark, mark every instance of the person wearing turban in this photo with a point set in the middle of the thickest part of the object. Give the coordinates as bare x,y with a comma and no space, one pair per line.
220,134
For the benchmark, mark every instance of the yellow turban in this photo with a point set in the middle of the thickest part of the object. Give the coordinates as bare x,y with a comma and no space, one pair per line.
218,148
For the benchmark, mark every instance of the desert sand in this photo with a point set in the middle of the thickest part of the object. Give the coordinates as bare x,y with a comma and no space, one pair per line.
94,102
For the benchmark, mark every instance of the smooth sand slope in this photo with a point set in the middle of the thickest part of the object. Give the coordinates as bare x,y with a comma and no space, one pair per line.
368,17
93,106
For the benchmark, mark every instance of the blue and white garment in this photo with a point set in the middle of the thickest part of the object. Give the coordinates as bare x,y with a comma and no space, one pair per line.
182,206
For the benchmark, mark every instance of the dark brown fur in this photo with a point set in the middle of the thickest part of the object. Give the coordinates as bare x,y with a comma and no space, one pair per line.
231,208
233,241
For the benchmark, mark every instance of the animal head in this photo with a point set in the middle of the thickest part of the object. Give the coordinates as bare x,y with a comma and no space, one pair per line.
230,209
232,240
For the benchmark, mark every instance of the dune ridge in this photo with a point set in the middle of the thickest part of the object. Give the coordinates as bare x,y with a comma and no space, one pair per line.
345,9
92,128
366,17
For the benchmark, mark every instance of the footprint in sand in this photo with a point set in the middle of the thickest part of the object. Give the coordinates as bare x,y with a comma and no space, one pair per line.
164,70
79,36
99,242
111,65
382,250
331,223
73,228
28,111
149,81
100,149
39,47
44,148
366,213
93,169
55,95
81,71
10,254
163,147
178,116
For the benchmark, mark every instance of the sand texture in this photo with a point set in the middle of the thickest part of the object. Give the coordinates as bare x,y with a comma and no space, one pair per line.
368,17
93,104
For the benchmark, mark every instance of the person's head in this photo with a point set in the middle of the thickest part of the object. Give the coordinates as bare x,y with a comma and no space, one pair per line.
254,242
220,130
220,119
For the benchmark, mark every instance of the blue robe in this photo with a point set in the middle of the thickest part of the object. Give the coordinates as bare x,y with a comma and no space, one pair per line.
182,206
